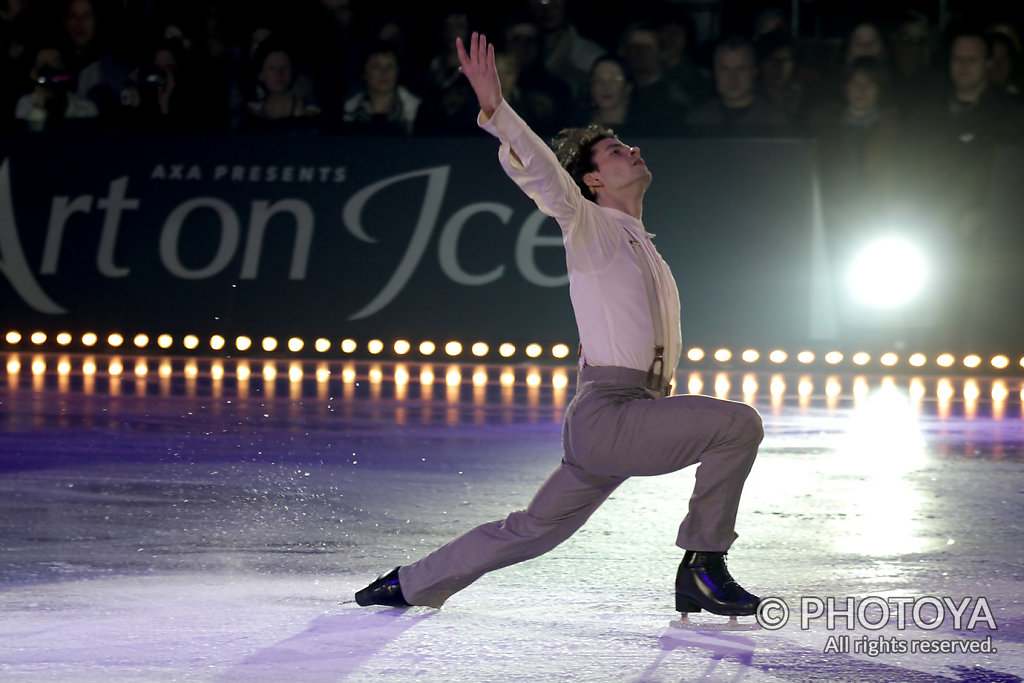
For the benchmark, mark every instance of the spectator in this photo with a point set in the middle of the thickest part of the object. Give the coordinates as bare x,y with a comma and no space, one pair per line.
612,103
12,48
912,46
858,148
737,110
611,96
214,58
51,105
771,20
449,106
827,101
244,87
567,54
777,73
259,33
915,79
393,30
278,105
80,25
336,52
1004,72
447,112
383,106
971,111
950,161
12,34
676,33
522,37
537,109
655,98
98,71
443,70
950,133
215,44
865,40
247,87
161,96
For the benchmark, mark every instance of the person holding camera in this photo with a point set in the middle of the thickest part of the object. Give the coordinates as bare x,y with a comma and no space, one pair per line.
158,97
51,105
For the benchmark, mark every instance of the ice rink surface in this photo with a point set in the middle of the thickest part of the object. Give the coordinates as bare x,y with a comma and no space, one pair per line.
209,525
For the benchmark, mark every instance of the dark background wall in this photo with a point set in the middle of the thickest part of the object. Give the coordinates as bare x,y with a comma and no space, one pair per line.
427,238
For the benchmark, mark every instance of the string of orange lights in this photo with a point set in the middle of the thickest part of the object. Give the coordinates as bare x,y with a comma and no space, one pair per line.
505,351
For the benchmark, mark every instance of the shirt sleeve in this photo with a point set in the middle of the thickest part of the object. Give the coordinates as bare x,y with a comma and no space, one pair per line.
534,167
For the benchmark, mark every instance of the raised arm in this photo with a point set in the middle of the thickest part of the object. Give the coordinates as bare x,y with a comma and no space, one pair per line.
478,67
527,159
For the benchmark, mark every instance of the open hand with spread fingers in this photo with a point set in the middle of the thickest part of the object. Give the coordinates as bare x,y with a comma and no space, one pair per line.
478,67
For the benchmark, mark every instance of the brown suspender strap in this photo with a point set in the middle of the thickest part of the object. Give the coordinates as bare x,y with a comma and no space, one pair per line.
655,380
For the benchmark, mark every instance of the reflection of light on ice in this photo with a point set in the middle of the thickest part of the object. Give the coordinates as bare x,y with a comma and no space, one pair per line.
999,396
777,388
884,433
722,385
882,444
749,388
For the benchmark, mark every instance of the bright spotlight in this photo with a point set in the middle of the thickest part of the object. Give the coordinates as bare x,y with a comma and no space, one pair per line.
887,273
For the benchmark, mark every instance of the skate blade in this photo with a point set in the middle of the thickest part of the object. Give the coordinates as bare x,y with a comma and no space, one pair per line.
733,624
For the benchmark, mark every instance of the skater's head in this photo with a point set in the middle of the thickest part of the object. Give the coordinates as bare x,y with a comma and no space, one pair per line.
599,162
574,148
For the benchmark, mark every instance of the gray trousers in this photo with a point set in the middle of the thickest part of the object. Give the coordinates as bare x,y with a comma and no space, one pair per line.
614,428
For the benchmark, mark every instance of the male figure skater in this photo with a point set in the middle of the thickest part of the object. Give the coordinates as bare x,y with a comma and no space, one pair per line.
621,422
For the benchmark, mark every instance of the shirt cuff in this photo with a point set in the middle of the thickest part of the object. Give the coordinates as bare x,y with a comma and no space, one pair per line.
506,125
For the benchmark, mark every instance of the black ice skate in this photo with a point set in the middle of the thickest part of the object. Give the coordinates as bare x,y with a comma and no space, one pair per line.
384,591
703,582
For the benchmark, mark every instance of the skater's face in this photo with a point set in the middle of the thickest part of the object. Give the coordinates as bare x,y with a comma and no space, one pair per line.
618,166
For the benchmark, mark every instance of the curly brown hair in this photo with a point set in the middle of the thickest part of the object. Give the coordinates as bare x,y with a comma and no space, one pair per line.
574,148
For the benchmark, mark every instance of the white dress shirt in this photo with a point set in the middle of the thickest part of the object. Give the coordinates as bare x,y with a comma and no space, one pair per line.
611,260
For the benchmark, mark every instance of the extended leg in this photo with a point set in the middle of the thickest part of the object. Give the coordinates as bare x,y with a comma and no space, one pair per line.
559,508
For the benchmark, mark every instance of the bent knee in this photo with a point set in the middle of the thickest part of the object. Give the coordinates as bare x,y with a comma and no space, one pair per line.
748,424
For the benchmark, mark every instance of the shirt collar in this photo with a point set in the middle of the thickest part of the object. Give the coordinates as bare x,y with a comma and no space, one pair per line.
634,225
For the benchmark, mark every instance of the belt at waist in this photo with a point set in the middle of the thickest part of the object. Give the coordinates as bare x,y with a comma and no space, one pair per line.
612,374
